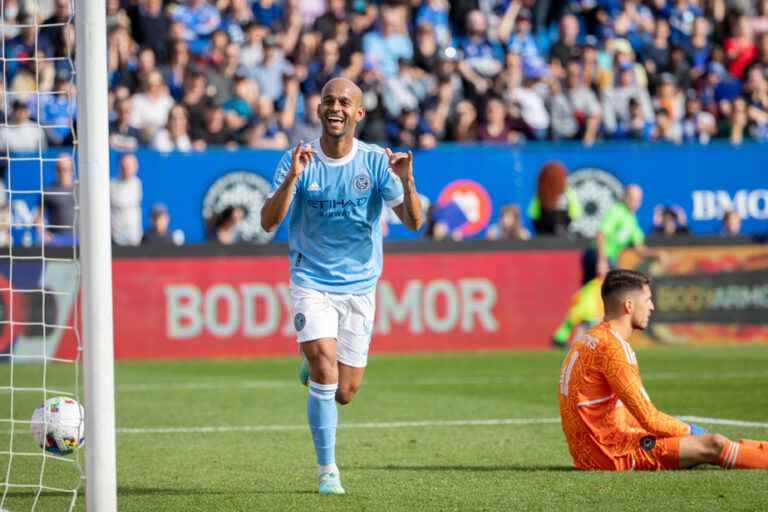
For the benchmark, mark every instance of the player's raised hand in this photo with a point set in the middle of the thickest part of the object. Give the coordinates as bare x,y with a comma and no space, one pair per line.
401,163
300,158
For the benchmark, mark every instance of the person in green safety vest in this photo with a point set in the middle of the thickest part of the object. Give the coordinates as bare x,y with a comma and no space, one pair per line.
620,229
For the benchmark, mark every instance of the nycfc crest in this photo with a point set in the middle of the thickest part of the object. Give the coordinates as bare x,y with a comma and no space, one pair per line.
247,190
597,191
362,182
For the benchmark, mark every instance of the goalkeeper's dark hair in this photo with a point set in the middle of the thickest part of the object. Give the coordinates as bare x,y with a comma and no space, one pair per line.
619,282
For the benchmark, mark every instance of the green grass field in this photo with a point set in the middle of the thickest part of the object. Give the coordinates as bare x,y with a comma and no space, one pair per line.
231,436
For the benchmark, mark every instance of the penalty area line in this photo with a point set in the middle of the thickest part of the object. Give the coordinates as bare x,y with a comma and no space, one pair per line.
403,424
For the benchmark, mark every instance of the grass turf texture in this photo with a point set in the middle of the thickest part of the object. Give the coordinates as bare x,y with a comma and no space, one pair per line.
471,467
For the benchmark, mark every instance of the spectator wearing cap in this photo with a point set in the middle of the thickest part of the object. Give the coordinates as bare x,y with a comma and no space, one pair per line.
125,193
159,232
387,44
359,25
575,109
151,107
21,134
566,48
175,136
123,136
616,99
199,18
150,25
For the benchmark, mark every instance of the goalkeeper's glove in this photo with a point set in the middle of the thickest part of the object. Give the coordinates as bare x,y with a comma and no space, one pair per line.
696,430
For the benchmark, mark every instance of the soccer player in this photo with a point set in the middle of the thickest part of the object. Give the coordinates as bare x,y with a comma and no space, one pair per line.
338,186
607,416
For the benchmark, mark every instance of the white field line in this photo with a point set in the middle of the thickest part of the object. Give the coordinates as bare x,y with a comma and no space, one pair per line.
407,424
448,381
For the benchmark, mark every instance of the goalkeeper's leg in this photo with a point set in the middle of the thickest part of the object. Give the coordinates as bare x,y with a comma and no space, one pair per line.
718,449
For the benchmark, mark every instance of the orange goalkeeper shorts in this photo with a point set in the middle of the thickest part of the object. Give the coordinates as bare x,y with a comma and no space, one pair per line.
664,455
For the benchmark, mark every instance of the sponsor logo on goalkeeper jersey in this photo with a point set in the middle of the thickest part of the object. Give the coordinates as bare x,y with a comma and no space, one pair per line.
243,189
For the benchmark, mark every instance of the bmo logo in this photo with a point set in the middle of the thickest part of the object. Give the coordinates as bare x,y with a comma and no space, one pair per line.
712,204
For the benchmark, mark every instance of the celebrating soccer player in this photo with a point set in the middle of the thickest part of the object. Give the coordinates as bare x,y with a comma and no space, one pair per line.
338,186
607,416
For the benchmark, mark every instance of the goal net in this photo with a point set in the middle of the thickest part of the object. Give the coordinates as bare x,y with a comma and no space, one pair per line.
40,278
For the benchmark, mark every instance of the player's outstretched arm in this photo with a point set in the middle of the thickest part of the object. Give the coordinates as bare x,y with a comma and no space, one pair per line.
409,211
624,379
276,207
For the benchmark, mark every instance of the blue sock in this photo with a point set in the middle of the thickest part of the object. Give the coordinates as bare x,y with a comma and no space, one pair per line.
323,418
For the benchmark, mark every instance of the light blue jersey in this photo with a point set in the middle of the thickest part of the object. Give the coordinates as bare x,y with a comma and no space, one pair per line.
334,230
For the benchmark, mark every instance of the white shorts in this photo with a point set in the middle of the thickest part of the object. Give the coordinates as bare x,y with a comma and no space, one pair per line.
347,318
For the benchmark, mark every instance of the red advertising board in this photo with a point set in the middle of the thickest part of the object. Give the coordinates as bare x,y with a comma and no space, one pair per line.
239,307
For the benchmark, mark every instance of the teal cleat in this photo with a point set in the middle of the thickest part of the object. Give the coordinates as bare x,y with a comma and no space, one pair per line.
304,371
330,484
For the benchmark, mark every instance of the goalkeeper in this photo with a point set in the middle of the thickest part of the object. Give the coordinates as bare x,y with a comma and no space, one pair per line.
607,417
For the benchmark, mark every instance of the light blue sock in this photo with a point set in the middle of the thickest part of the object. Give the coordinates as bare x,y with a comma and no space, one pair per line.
323,418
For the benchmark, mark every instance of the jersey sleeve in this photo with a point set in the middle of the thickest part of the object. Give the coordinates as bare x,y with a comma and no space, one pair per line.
281,172
623,375
389,184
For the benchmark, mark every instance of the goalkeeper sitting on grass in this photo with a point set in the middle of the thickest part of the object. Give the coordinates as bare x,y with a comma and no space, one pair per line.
607,416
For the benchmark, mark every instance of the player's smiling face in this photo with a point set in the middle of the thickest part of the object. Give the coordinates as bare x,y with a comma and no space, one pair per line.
340,109
642,308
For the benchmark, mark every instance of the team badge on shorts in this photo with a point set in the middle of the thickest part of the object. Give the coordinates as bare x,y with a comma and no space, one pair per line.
362,182
648,443
299,321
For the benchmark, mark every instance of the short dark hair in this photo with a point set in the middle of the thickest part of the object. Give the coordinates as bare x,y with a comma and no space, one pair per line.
620,281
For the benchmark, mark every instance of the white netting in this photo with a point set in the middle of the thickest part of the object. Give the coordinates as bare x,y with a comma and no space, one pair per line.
39,270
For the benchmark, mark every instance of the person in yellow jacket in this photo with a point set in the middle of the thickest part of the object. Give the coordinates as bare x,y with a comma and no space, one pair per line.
586,309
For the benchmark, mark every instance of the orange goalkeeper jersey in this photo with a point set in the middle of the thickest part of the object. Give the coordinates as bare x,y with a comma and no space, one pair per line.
604,408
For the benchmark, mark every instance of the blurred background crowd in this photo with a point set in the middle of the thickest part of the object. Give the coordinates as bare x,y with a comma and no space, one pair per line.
195,73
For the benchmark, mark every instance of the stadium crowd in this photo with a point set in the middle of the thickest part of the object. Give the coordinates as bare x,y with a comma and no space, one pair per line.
191,74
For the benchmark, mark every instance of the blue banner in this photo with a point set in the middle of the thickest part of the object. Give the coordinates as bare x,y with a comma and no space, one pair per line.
471,183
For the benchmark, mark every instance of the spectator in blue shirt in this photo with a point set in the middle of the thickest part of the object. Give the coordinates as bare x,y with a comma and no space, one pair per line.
200,19
385,46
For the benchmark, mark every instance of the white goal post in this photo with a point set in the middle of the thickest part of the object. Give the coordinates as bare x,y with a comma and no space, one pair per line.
95,254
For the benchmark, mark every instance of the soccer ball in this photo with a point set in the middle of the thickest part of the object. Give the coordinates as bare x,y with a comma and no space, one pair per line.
58,425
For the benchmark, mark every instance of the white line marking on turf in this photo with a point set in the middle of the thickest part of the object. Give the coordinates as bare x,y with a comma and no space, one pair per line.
459,381
406,424
725,421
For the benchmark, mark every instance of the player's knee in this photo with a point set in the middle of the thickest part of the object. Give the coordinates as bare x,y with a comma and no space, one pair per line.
345,394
